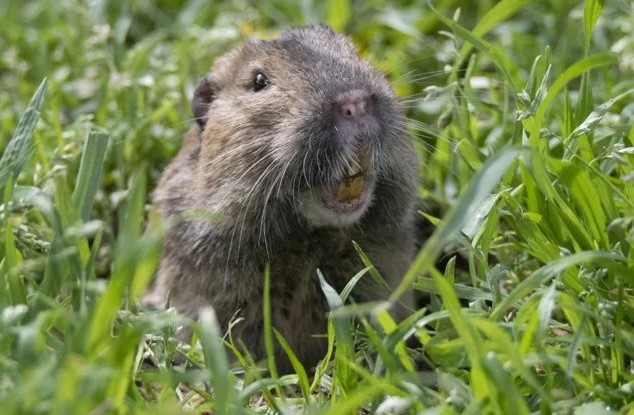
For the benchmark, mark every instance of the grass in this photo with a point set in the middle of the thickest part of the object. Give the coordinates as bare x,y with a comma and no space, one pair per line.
524,115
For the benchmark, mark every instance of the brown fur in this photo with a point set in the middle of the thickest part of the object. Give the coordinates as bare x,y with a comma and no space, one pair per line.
244,170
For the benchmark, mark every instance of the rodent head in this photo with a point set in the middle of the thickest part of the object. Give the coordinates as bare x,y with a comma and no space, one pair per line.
301,123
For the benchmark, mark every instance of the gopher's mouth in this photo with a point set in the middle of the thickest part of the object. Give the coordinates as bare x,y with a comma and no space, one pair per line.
350,194
343,203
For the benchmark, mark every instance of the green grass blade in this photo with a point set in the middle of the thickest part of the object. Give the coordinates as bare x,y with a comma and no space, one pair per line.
344,351
591,12
89,175
59,264
549,271
132,252
19,149
466,292
225,402
302,377
497,14
351,404
508,398
545,310
585,100
347,290
374,273
385,358
89,273
589,124
472,341
502,342
573,71
16,291
477,191
558,204
578,181
399,349
267,324
150,245
131,218
502,62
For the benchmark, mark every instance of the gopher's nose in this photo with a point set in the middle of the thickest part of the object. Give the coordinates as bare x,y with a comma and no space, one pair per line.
353,105
355,114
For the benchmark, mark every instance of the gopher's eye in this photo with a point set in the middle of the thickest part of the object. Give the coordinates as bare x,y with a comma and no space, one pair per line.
259,82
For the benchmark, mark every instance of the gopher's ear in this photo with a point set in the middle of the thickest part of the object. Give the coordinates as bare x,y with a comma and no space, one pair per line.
203,95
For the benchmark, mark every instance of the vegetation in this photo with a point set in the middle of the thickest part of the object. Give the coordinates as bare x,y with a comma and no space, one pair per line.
524,115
